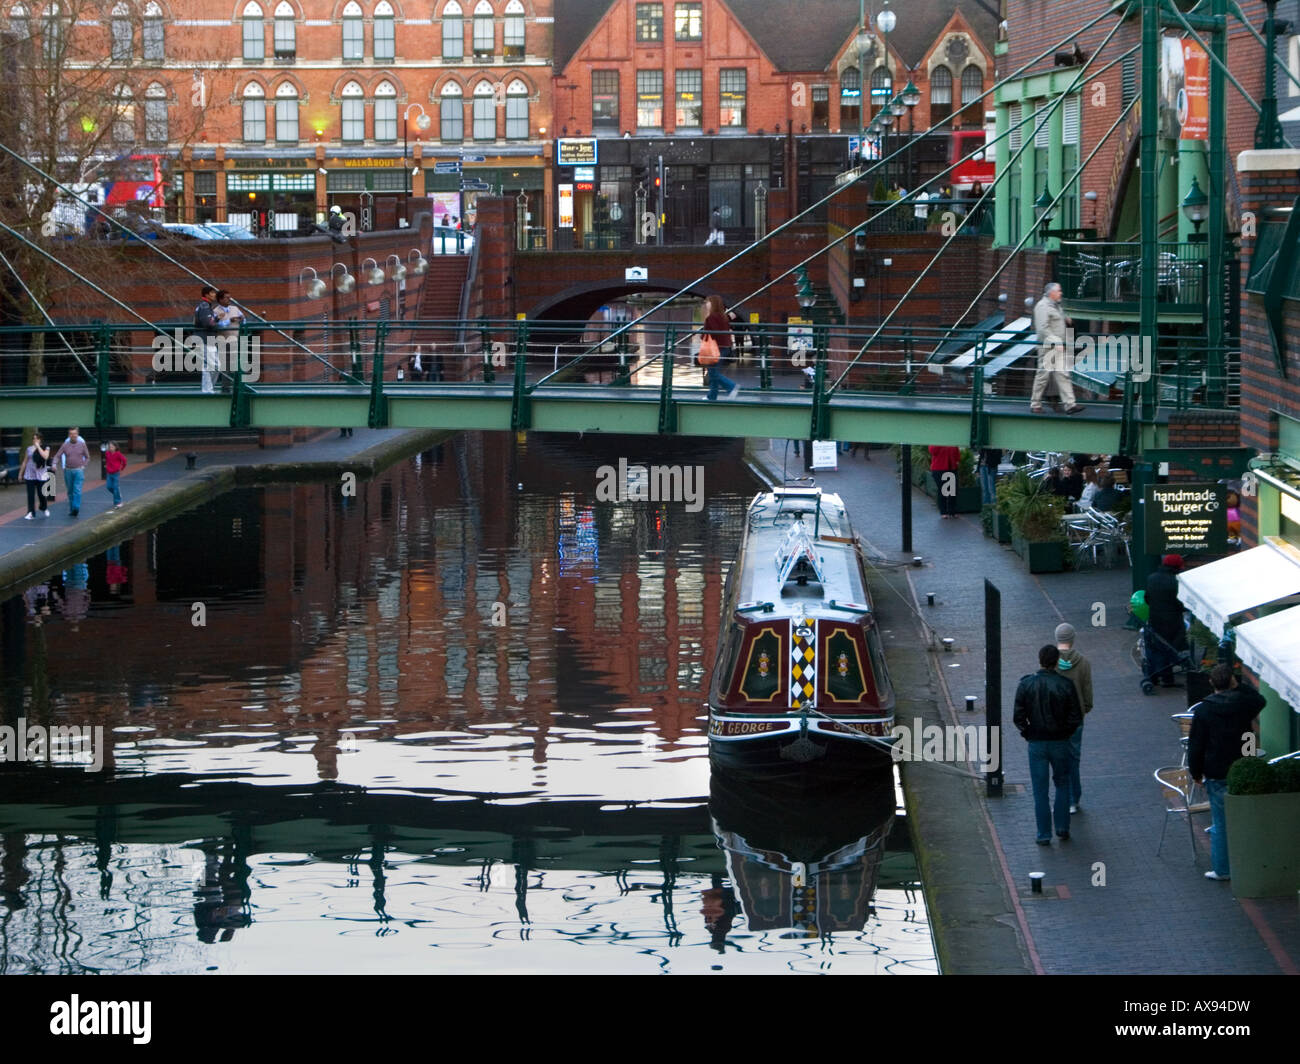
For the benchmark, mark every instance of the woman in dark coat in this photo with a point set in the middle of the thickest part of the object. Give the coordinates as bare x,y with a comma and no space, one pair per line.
717,326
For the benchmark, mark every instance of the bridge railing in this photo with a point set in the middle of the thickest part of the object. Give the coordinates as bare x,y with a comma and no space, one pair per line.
766,357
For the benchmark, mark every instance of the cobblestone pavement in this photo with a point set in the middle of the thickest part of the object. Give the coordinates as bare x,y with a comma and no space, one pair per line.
1109,904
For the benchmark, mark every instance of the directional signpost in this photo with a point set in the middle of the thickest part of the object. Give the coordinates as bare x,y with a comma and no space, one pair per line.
452,167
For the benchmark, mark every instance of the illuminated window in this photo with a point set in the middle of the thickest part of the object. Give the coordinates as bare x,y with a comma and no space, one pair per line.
650,99
688,22
649,22
690,99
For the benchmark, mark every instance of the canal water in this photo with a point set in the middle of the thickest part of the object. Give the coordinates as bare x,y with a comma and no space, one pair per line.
451,721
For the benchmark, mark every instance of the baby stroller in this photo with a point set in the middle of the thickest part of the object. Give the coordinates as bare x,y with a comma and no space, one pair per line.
1157,656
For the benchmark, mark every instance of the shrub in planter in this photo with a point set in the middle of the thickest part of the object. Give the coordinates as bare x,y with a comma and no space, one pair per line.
1264,827
1036,523
1001,516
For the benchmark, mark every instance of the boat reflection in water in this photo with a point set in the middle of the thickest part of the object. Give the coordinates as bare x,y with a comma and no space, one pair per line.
804,856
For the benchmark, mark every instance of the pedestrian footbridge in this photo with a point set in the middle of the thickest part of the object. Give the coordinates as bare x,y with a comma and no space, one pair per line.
796,381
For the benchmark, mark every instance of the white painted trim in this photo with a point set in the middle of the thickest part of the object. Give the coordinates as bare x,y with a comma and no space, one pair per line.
1268,159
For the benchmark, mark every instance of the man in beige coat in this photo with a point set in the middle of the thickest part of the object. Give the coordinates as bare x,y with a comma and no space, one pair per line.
1076,668
1055,351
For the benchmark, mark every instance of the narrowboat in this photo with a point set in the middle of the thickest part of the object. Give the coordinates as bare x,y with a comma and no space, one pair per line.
800,683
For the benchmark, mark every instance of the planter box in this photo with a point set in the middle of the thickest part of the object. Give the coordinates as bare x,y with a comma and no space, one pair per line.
1001,527
1042,557
1263,844
969,500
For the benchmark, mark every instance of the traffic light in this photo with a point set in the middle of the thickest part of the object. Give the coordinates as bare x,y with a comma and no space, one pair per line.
641,177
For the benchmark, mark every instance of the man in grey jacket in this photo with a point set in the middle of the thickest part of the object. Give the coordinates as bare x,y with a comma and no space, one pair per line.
1055,351
1078,670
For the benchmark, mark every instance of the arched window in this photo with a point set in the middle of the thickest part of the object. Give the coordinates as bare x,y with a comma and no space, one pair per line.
354,33
882,88
514,33
155,114
353,113
517,111
123,116
286,37
453,31
385,112
254,114
850,98
122,34
153,44
286,113
972,84
485,111
52,34
485,37
452,110
385,33
940,93
20,23
254,34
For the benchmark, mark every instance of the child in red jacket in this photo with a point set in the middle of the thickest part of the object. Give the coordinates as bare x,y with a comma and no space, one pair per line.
114,463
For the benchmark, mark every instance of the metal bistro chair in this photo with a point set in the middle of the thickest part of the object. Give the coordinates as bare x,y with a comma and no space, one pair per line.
1182,798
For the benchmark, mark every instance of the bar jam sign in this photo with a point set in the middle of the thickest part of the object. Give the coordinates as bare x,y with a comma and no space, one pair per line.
1186,519
576,151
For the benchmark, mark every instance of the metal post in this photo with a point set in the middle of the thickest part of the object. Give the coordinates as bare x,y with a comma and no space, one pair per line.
993,685
638,229
1149,190
905,459
1216,363
1142,476
659,204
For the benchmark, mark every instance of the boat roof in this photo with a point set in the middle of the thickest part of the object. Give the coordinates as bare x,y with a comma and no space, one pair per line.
800,533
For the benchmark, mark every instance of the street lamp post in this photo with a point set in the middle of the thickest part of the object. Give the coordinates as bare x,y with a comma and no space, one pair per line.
422,123
885,23
910,97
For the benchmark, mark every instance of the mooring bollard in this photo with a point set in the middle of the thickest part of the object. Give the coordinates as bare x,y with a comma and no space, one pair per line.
948,642
917,560
191,459
970,703
929,598
1036,882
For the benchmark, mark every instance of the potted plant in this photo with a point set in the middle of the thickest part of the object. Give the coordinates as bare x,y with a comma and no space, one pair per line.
1262,808
968,489
1037,535
1001,513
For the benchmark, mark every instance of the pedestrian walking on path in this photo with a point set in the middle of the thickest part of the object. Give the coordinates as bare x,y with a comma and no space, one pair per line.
35,473
943,467
1047,714
1055,354
114,463
1219,726
74,455
1169,646
718,329
1078,670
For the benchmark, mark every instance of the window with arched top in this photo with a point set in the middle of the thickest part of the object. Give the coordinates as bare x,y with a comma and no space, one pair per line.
453,31
485,43
385,112
20,24
452,113
972,85
123,116
353,113
155,114
121,34
385,31
850,99
254,33
940,93
153,42
485,111
354,33
513,45
517,111
286,113
52,33
882,88
286,34
254,114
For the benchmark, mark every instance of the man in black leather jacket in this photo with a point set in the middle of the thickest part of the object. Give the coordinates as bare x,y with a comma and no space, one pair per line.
1047,714
1166,621
1220,725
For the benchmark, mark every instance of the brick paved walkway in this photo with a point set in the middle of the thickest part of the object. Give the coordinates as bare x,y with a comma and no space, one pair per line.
1153,915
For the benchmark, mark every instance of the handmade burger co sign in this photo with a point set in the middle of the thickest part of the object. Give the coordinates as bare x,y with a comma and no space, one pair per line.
1186,518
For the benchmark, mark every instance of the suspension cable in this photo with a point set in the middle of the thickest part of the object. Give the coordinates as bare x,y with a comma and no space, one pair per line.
45,314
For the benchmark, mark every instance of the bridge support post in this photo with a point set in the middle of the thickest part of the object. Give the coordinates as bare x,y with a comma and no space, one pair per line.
764,360
979,426
905,460
667,411
378,404
103,359
820,407
239,413
520,404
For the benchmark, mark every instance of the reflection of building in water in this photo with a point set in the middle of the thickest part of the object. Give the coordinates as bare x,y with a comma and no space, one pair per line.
803,856
221,891
322,610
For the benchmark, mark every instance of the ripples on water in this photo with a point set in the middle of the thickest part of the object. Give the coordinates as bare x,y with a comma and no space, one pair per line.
447,724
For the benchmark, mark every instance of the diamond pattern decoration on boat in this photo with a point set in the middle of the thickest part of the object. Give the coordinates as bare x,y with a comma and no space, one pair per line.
803,663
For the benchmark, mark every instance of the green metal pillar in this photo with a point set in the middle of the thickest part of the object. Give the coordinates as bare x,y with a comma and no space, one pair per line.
667,411
378,404
1151,46
1216,361
103,361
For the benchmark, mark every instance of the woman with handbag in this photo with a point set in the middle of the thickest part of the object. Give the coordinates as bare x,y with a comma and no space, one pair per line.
34,472
716,346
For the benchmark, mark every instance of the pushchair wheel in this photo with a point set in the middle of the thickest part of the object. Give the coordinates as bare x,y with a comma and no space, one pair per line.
1148,688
